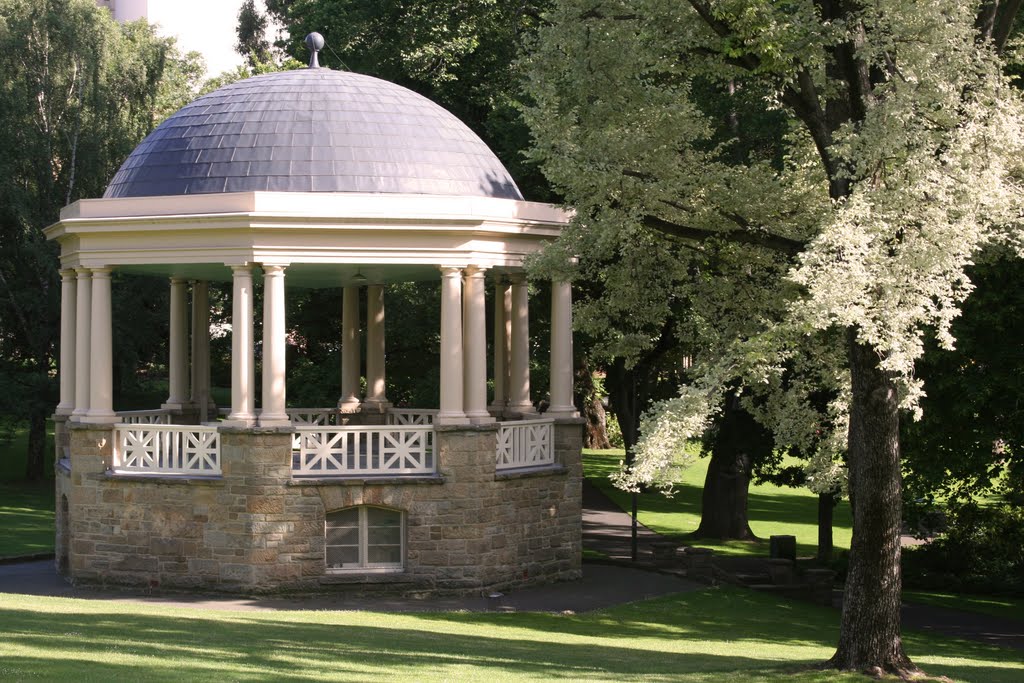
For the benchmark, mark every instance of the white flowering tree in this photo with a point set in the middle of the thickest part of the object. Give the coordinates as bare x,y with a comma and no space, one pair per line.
901,160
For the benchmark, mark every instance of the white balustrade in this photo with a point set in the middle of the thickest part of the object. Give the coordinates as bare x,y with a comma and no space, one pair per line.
525,443
401,416
313,416
145,417
363,451
167,449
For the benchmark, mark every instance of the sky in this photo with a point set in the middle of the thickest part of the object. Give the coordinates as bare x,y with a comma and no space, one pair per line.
206,26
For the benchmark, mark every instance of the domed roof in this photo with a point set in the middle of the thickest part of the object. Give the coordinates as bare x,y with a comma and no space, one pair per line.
312,130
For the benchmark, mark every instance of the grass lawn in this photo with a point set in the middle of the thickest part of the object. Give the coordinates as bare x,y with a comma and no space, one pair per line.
26,510
772,509
709,635
992,605
26,519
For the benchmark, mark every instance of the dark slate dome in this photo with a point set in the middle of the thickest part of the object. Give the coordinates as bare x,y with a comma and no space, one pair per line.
312,130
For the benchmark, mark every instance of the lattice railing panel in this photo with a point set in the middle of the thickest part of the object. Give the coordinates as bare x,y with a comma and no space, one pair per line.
313,416
363,451
145,417
167,449
525,443
424,417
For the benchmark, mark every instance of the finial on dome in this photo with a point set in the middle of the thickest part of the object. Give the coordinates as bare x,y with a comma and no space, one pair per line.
315,43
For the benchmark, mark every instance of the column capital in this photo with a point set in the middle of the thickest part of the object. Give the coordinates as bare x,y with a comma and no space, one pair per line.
517,278
450,271
83,272
67,274
102,271
273,269
477,272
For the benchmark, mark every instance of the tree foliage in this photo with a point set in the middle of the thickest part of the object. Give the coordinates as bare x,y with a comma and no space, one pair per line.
77,93
827,257
251,31
462,55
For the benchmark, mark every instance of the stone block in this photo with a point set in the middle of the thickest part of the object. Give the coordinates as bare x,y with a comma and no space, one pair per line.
265,505
237,573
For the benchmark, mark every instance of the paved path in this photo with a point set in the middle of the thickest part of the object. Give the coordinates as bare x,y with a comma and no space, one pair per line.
601,586
608,530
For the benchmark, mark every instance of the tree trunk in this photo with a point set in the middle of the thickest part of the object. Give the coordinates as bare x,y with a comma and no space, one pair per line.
826,505
737,441
595,434
869,635
723,512
35,461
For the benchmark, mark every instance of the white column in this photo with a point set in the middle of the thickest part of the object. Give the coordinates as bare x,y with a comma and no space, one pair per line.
83,338
376,392
519,364
101,351
501,322
274,339
68,323
350,401
561,351
177,361
474,345
201,348
451,348
243,404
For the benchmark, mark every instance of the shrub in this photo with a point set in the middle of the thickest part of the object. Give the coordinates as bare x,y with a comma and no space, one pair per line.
982,551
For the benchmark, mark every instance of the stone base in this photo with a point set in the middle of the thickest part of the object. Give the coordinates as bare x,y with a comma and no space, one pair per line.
256,529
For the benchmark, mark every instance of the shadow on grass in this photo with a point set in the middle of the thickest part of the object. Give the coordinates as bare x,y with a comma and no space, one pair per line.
162,647
724,635
26,519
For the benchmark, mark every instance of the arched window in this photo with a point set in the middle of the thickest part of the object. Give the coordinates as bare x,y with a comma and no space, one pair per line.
365,537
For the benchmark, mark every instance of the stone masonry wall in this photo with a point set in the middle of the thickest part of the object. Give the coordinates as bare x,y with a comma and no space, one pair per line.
257,529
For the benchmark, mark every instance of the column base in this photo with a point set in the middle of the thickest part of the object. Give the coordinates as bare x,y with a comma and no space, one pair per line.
451,419
238,421
480,418
562,412
374,406
348,405
176,405
272,420
522,409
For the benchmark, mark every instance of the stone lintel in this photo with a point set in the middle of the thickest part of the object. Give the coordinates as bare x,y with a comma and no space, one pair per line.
75,425
483,427
162,478
396,480
233,429
545,471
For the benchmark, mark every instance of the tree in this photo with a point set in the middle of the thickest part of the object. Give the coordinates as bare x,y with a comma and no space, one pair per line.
77,93
970,441
251,30
899,162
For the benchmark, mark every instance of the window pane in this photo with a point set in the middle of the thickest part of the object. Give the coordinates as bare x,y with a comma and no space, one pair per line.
346,517
343,536
385,554
342,556
382,517
386,535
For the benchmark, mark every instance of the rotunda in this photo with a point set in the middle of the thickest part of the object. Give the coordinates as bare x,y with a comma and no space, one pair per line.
315,178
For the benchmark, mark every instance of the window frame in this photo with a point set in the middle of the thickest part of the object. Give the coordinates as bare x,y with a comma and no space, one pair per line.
362,528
